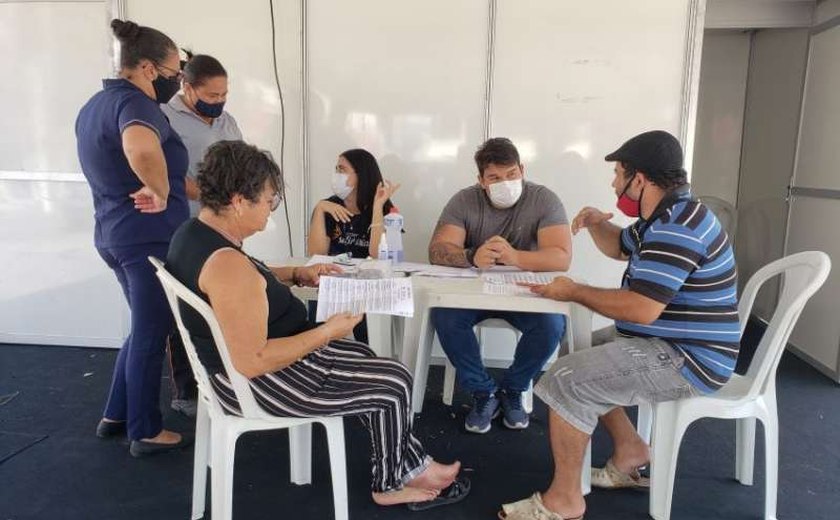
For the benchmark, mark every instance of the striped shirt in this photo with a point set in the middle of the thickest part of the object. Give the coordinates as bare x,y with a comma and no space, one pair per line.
681,257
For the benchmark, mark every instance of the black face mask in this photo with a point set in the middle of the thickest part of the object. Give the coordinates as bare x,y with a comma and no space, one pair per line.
165,88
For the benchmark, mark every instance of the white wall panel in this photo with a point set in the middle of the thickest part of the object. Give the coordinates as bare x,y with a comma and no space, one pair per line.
826,10
817,332
774,96
570,85
405,82
54,288
45,87
720,114
755,14
239,35
818,156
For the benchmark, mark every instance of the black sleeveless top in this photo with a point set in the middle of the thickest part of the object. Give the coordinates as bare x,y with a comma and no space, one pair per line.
191,246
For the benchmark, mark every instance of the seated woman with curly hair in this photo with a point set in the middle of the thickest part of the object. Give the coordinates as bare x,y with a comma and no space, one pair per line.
296,369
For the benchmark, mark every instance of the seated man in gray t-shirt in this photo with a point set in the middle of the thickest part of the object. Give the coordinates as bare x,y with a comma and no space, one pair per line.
502,220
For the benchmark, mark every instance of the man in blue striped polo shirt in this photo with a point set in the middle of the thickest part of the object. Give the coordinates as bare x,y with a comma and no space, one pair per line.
676,315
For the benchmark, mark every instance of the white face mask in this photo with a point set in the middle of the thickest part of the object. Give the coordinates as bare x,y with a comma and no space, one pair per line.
339,185
505,194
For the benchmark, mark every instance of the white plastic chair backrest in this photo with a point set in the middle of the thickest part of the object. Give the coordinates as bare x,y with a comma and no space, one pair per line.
725,213
803,274
176,291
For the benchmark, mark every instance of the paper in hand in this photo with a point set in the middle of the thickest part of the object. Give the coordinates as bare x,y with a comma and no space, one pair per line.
378,296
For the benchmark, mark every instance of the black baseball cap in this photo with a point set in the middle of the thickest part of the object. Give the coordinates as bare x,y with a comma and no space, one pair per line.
651,152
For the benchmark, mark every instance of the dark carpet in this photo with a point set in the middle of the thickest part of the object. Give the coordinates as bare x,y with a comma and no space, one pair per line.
53,467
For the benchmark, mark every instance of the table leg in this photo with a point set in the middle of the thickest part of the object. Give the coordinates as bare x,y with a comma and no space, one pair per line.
580,320
379,334
416,347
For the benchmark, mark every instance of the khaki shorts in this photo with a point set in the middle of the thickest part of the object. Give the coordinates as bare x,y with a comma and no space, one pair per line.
585,385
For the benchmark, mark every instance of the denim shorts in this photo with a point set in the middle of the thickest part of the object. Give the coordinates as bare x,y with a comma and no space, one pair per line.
585,385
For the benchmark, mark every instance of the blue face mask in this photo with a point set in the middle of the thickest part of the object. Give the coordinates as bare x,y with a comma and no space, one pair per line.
165,88
213,110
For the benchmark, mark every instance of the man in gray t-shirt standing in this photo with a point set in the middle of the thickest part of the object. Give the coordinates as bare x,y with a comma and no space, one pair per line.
502,220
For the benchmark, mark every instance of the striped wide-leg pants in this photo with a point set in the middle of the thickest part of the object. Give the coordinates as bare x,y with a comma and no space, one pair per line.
346,378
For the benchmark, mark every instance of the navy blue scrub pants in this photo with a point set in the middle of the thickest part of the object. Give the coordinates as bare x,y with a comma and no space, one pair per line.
135,388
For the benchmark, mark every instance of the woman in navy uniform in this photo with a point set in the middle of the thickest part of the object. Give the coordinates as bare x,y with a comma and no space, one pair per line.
135,165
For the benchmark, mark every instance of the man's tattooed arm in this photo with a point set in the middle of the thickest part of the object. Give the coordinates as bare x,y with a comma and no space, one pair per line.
444,252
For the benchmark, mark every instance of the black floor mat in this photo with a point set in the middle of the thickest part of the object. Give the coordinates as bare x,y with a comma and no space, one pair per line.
12,443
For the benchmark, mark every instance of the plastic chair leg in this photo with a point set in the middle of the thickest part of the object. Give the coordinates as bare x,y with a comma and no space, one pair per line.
585,471
644,422
668,430
223,456
448,383
200,460
745,450
338,467
771,449
300,453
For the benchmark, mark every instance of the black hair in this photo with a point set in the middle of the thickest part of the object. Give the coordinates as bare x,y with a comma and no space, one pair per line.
141,43
665,179
496,150
199,68
235,167
368,177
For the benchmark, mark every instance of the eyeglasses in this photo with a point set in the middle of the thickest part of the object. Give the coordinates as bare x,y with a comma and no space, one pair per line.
176,74
275,201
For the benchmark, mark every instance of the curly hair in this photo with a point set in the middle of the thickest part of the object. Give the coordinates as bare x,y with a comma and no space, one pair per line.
234,168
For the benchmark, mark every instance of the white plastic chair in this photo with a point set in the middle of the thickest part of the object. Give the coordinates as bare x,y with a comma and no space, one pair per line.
217,432
725,212
450,371
743,398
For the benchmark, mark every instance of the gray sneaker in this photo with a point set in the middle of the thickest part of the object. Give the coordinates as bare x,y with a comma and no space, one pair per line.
485,409
515,417
188,407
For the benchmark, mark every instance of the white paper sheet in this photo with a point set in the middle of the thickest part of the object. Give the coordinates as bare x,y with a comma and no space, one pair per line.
505,283
348,265
437,271
382,296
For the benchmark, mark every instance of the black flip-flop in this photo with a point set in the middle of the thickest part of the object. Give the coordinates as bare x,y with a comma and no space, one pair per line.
452,494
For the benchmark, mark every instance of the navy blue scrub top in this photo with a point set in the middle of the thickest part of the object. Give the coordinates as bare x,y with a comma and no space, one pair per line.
99,128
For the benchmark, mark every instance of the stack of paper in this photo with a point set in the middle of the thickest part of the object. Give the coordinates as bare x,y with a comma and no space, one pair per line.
381,296
437,271
505,283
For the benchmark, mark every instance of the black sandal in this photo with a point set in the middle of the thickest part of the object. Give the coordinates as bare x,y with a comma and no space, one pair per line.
452,494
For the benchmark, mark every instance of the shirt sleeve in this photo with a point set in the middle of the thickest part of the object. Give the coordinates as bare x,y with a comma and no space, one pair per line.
139,111
553,211
455,211
669,253
235,131
626,242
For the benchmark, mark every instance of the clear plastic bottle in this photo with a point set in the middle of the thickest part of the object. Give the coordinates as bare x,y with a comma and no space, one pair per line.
383,253
393,223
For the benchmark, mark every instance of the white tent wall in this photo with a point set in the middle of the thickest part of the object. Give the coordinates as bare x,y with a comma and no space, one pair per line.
720,114
774,95
815,193
826,10
421,85
54,288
